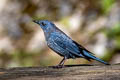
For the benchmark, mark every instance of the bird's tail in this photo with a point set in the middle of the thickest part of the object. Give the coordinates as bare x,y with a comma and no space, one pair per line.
90,56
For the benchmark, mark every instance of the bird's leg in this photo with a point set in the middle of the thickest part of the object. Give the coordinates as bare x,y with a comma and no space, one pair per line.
62,61
61,64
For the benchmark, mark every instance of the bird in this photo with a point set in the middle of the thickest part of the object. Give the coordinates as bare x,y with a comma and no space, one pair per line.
63,45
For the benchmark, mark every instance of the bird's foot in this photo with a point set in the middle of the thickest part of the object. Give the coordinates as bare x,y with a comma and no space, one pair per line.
59,66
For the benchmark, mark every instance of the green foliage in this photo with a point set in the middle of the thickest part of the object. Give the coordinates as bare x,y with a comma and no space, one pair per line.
106,5
118,42
114,32
23,58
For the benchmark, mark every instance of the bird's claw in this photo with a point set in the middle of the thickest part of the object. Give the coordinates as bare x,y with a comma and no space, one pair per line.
59,66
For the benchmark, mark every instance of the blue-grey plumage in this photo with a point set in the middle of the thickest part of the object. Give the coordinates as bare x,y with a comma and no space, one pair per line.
59,42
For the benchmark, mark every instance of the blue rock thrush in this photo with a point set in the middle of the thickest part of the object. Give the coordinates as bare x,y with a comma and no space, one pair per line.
59,42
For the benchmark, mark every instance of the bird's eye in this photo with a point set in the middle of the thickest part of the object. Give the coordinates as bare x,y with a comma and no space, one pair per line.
43,23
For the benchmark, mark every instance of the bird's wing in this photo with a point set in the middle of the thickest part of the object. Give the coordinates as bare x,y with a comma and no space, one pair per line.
66,43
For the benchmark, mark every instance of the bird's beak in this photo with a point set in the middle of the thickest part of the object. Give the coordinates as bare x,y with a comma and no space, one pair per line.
36,21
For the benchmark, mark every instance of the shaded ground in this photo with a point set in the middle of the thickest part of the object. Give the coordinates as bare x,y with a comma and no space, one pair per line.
74,72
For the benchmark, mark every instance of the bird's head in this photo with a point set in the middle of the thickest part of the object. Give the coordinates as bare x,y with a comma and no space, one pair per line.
45,24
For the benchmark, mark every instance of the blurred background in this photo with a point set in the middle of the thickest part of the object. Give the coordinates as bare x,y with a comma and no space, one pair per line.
95,24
